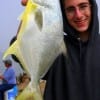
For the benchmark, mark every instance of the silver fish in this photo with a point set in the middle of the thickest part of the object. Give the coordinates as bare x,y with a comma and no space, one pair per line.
39,42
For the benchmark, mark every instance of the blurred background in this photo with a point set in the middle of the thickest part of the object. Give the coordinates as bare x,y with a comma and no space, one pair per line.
10,10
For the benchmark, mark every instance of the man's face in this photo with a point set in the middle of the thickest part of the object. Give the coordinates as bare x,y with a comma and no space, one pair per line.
78,13
6,65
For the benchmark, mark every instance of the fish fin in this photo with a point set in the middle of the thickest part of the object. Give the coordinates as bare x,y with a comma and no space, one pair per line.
13,49
29,9
31,6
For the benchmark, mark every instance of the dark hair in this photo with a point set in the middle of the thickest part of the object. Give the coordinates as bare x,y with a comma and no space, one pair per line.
8,61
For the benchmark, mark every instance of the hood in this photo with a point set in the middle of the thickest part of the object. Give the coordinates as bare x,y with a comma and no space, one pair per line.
94,26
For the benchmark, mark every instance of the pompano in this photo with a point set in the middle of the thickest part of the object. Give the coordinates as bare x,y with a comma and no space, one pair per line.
39,42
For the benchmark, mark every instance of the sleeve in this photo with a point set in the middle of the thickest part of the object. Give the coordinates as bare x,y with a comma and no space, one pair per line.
9,74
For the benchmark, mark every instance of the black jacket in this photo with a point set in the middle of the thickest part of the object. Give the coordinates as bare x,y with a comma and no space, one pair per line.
76,76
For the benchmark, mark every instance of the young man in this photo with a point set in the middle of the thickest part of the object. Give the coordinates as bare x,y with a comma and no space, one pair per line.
8,78
76,75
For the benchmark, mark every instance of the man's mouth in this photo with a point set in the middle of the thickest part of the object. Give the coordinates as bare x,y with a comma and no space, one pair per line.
80,23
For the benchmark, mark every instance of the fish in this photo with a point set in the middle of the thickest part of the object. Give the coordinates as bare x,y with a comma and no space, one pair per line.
39,42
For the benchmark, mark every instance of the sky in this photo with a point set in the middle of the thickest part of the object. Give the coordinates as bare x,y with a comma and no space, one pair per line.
9,12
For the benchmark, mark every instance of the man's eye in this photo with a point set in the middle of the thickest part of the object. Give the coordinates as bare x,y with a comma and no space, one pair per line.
85,6
70,9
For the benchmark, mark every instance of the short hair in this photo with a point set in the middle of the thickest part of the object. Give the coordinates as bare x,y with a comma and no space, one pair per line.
8,61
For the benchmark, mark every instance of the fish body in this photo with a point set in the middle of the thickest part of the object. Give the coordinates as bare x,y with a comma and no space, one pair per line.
39,42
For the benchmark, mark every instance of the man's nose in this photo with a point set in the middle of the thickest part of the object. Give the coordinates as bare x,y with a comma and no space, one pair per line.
77,12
